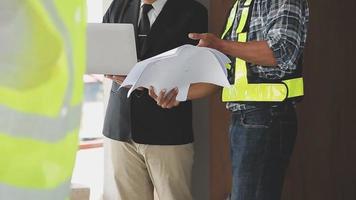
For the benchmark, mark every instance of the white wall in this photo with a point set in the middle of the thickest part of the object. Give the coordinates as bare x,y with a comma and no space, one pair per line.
110,191
95,8
201,133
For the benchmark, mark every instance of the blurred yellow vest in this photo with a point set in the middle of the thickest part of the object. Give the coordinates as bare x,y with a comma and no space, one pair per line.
42,60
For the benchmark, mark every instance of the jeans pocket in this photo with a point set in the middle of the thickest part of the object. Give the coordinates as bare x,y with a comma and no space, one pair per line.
258,118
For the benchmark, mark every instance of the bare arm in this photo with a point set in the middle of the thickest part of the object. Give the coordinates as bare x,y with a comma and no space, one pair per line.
256,52
196,91
200,90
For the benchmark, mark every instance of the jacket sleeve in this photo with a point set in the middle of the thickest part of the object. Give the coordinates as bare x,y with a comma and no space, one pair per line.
112,13
107,13
199,22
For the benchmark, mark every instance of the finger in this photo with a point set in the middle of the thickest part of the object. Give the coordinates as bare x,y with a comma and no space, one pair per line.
195,36
170,98
120,78
160,97
152,93
202,44
114,77
174,101
108,76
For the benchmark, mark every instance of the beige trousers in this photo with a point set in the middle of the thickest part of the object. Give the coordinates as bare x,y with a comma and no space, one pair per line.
140,169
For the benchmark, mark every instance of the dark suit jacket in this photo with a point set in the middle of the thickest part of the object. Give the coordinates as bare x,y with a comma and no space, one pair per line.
138,117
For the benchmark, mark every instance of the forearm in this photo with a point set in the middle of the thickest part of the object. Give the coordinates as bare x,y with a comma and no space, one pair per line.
200,90
256,52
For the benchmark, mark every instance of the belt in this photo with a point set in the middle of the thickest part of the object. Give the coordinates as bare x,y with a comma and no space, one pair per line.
233,107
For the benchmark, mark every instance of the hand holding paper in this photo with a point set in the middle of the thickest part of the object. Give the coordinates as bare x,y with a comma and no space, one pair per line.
179,68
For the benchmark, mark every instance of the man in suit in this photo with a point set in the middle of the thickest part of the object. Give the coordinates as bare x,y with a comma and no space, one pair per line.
152,147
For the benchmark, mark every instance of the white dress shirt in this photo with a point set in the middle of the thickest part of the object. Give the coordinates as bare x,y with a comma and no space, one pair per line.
153,13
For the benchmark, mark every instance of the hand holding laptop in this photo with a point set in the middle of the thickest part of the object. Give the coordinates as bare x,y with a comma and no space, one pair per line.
117,78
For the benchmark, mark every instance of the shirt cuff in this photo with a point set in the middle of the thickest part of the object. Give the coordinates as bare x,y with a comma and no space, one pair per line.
274,45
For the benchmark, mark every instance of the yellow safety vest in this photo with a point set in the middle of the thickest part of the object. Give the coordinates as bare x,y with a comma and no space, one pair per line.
242,90
42,60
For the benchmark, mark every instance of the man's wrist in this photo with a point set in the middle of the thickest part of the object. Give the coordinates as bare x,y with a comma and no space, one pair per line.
221,45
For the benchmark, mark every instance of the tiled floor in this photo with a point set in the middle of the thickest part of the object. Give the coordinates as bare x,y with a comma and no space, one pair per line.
89,171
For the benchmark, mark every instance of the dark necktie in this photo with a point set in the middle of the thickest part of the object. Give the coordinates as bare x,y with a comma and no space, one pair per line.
143,29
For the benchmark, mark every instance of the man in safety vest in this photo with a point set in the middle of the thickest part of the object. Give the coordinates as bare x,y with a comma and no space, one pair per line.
42,61
265,40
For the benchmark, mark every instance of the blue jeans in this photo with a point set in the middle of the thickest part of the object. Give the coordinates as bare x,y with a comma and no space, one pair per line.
262,141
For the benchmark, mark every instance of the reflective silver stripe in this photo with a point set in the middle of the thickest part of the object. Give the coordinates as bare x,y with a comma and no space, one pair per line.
43,128
52,11
39,127
15,193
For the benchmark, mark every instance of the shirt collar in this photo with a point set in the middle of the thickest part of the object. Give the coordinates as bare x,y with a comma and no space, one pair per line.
157,5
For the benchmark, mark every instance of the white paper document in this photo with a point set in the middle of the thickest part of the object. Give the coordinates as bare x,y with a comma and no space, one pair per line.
179,67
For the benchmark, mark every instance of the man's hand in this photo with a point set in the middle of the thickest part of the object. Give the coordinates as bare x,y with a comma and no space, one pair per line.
164,99
206,40
117,78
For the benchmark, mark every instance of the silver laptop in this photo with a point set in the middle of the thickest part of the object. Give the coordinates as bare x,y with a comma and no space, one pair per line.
111,48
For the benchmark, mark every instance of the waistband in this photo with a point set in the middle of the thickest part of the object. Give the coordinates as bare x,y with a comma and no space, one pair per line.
233,107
